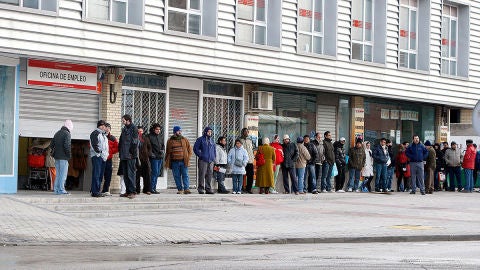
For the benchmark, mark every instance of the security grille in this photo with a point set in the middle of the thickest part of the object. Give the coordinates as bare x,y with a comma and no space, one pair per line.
145,107
223,116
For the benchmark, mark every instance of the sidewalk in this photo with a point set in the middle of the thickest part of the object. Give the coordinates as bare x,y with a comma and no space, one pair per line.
40,218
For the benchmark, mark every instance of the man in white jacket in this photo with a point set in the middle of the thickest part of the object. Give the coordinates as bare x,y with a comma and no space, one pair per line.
220,165
98,154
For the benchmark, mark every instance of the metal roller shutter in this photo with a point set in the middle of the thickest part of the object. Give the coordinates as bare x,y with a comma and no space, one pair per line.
327,119
43,112
183,112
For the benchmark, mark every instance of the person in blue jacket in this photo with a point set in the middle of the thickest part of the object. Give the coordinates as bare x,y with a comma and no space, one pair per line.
417,153
205,150
381,160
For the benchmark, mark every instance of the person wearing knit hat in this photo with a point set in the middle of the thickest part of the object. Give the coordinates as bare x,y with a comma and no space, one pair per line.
177,158
430,166
290,155
286,137
61,146
176,129
428,143
356,163
468,165
299,139
204,148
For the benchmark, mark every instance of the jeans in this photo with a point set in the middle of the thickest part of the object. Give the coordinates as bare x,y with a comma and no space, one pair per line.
389,177
237,182
468,179
98,169
61,166
354,178
156,165
220,178
417,172
300,178
180,174
326,175
454,173
381,176
366,183
107,176
310,176
293,178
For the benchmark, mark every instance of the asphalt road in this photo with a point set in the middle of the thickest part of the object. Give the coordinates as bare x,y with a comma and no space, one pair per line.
422,255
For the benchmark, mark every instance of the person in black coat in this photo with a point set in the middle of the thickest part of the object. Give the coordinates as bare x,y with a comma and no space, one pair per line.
290,153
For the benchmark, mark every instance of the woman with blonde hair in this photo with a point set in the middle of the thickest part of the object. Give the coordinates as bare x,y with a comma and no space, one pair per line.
265,177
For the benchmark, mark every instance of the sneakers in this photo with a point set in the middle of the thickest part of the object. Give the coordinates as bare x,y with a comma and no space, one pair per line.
314,192
276,192
365,189
350,190
106,194
324,190
180,192
357,190
340,191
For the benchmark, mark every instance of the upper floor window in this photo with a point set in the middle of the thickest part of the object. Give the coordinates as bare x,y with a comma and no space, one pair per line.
369,30
49,5
198,17
408,33
122,11
258,22
455,40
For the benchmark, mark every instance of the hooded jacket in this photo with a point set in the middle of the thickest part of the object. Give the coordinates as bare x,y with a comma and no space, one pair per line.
204,147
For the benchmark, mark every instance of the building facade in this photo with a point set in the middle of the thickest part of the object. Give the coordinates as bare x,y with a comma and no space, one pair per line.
358,68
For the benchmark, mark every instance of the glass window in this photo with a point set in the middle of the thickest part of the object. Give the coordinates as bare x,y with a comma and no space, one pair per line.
192,16
362,30
252,15
449,40
50,5
310,26
408,34
7,116
119,11
122,11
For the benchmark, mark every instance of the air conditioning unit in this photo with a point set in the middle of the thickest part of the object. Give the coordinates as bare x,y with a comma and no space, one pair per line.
261,100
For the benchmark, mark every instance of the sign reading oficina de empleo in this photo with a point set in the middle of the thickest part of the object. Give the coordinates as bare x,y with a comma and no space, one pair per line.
60,74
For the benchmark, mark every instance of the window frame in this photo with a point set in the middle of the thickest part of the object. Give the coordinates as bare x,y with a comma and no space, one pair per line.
409,51
29,9
312,33
364,42
253,23
109,21
449,59
188,11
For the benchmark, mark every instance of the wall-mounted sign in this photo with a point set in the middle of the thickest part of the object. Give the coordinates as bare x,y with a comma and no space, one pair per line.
409,115
59,74
359,123
385,114
444,133
251,123
394,114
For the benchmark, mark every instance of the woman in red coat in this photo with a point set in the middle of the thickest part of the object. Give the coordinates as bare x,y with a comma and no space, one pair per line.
402,169
278,160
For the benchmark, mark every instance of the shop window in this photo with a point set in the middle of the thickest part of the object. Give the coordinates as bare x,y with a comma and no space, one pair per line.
7,116
455,116
455,40
121,11
47,5
259,22
369,19
197,17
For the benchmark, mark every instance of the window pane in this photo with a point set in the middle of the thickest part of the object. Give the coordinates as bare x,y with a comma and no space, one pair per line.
304,43
412,61
404,2
357,20
177,21
50,5
368,53
318,16
403,59
245,10
194,24
245,32
453,11
404,26
413,30
445,36
13,2
357,51
178,4
453,68
413,3
98,9
317,45
260,35
304,20
453,39
445,66
261,10
119,11
195,4
446,10
31,3
368,20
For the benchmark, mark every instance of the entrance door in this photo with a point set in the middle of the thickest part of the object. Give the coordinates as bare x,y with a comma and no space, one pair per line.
183,112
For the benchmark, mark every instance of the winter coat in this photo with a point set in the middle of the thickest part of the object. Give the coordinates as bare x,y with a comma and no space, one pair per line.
144,149
187,151
158,147
392,157
329,151
440,159
98,144
312,150
112,146
357,158
278,152
339,155
240,154
221,155
416,152
62,144
379,155
265,172
469,158
248,146
431,162
320,158
367,170
128,144
204,147
401,162
303,156
290,154
452,157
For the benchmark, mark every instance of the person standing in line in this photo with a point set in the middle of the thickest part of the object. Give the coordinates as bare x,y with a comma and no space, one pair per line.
128,149
445,146
402,169
99,155
301,164
237,160
220,166
356,162
278,161
367,171
417,153
320,158
290,152
248,146
265,172
156,159
341,163
177,158
454,162
430,165
205,150
468,165
381,159
112,150
310,175
143,169
61,146
390,167
327,165
439,166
